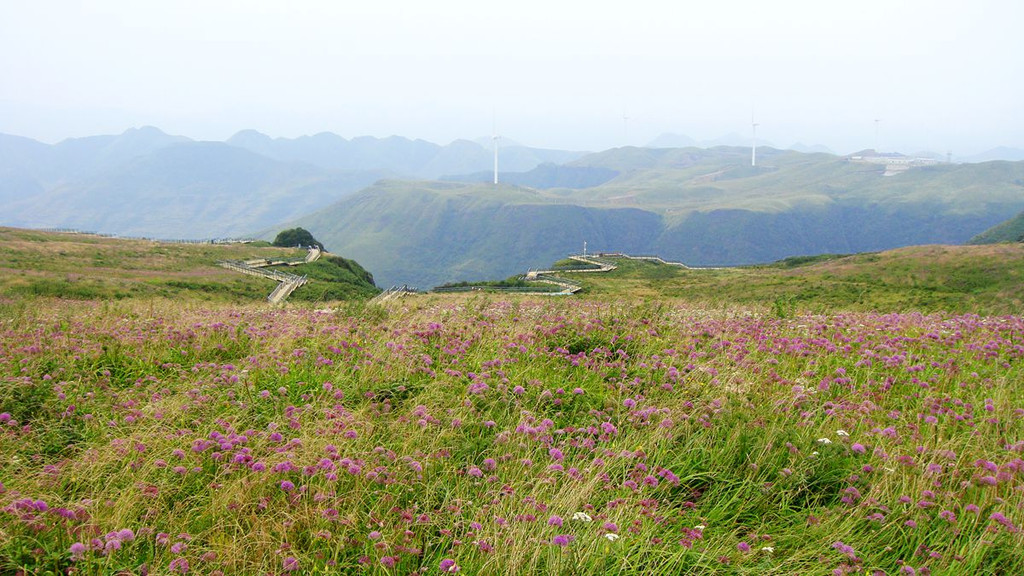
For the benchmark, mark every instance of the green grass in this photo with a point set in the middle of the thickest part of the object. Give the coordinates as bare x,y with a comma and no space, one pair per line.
927,279
801,407
412,429
82,267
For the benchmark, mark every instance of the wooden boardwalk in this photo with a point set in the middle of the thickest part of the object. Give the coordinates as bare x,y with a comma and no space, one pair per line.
287,283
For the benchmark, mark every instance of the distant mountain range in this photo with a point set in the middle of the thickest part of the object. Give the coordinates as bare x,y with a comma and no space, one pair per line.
401,156
999,153
670,140
148,183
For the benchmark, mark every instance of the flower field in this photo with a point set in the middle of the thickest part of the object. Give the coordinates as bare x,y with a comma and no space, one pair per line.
522,436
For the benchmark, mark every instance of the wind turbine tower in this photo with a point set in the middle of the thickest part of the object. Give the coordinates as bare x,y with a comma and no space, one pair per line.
877,120
753,141
494,141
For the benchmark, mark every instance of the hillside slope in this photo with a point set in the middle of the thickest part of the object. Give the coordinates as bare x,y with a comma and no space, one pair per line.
427,233
80,266
703,207
1011,230
976,279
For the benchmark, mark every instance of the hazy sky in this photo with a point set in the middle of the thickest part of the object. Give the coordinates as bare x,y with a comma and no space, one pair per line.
940,75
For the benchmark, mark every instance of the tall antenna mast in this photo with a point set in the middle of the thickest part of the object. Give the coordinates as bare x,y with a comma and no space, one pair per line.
494,142
877,120
753,141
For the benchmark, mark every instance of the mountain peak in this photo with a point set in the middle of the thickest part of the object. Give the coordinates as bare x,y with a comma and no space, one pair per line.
248,136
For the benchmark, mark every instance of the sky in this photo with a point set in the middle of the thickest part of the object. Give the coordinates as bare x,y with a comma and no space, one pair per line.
940,75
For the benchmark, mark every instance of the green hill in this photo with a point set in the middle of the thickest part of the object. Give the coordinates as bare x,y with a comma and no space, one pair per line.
429,233
1011,230
699,206
85,267
978,279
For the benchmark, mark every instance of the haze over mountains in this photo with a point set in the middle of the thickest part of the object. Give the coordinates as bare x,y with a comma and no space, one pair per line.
418,213
147,183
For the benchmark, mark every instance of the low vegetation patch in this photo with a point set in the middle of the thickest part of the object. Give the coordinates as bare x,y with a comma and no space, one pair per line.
83,267
981,279
507,436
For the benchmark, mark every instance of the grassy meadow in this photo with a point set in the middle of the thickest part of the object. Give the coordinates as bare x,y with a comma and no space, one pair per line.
81,266
629,430
968,279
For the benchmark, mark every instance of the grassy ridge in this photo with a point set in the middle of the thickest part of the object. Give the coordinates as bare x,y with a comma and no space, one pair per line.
1010,231
35,263
980,279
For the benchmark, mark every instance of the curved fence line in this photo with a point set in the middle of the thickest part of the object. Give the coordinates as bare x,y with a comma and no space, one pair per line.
391,294
148,239
287,283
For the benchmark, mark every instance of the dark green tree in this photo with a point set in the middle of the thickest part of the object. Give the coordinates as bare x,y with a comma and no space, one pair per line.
296,237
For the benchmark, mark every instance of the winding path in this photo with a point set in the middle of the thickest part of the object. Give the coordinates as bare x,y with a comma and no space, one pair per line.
591,264
287,283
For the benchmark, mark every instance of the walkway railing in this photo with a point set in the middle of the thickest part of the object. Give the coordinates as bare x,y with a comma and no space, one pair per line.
391,294
287,283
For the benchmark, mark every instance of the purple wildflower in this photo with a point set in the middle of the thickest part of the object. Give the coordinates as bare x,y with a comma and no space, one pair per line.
179,565
448,565
1001,519
845,549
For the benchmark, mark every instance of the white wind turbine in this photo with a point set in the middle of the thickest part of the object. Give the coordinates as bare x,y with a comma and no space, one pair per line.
494,140
753,141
